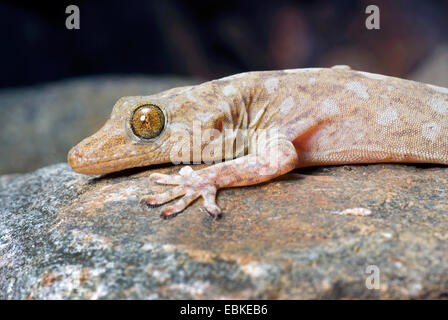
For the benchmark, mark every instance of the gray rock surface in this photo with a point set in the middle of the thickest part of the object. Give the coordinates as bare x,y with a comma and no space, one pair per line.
69,236
39,124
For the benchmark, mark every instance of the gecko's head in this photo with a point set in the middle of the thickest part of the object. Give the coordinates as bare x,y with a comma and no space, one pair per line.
133,136
140,132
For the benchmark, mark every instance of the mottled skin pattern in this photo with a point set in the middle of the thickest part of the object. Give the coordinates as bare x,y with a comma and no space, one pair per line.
323,116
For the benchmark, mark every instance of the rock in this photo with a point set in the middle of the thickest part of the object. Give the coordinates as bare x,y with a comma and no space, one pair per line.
40,124
69,236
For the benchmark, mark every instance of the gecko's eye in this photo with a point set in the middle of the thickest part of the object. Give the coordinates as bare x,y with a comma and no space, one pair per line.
147,121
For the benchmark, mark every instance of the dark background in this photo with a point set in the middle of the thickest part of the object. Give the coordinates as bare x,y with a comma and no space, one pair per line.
210,39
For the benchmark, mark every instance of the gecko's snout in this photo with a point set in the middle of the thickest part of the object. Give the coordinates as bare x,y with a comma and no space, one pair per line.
75,158
81,162
95,154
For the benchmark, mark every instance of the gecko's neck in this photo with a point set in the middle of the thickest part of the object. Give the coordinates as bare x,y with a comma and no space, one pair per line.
248,108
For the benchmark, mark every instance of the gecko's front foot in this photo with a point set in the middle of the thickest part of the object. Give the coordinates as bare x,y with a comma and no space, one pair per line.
191,185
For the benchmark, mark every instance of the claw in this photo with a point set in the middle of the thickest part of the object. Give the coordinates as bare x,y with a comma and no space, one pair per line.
165,197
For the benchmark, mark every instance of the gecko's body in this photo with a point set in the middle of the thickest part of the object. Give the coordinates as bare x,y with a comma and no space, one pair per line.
320,116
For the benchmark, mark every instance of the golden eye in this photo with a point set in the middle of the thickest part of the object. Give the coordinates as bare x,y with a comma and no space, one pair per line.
147,121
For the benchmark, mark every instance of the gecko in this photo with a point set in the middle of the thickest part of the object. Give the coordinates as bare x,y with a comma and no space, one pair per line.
255,126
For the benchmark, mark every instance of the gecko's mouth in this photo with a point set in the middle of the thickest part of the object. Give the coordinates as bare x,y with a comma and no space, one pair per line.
82,165
88,164
102,165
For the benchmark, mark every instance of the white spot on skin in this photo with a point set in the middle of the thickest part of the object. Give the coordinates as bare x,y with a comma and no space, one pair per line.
374,76
179,125
430,130
438,105
191,97
329,107
271,84
438,89
357,88
293,70
387,116
224,107
300,70
312,80
235,76
184,90
173,104
229,90
353,136
204,116
226,180
341,67
286,105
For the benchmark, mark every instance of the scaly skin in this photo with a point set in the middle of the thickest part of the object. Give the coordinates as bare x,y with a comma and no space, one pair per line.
319,116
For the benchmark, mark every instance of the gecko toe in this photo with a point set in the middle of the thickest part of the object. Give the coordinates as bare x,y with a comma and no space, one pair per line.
213,210
149,204
190,186
210,205
151,201
168,213
179,205
214,215
165,178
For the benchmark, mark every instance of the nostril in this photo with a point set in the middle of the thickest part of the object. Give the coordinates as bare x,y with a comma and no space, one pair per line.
76,154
